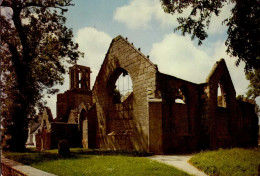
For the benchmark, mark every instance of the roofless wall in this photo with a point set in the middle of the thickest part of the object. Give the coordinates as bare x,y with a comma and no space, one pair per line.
124,125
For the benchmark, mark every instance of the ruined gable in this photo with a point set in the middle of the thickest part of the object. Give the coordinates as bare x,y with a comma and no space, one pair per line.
219,76
46,119
132,131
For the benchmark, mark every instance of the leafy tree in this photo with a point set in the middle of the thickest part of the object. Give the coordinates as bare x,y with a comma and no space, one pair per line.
35,45
254,85
243,29
246,99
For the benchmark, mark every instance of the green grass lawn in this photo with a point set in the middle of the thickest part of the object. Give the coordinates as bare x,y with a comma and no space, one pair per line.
86,164
228,162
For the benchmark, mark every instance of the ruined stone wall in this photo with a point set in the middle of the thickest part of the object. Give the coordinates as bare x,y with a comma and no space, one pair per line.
180,122
163,114
46,119
155,126
223,130
71,99
43,140
247,125
220,135
123,56
65,131
13,168
92,128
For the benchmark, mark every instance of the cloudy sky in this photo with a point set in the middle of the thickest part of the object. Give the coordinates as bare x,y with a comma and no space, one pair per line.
96,23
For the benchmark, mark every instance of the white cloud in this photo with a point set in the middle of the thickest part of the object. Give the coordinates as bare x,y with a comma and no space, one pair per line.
139,14
51,103
168,20
94,44
135,15
179,56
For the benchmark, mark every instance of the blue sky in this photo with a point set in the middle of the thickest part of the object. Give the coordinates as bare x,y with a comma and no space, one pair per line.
96,23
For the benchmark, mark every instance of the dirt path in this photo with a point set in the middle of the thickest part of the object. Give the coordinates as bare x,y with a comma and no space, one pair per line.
180,162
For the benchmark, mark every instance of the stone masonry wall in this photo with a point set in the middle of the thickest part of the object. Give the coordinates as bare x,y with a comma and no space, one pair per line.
69,100
219,76
246,133
155,126
13,168
123,56
180,122
65,131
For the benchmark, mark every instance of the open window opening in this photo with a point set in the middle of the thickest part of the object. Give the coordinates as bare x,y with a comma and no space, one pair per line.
180,96
44,124
80,78
123,88
221,96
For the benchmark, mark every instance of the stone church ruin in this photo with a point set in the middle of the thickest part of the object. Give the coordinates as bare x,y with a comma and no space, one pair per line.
158,113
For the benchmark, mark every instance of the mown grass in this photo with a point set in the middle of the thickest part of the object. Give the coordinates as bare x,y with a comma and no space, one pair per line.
228,162
79,164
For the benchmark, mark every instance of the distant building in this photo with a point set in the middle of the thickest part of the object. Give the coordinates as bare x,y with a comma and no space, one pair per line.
33,129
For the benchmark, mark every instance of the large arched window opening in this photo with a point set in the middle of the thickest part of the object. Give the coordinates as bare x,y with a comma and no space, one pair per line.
120,86
124,86
119,102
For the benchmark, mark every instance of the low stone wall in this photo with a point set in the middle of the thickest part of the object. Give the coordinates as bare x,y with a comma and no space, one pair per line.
13,168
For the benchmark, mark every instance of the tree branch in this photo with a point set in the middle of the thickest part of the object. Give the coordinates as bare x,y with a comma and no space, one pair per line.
15,55
22,34
6,3
49,5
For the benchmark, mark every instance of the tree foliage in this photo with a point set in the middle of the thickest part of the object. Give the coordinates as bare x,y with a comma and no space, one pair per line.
35,45
243,28
254,85
252,101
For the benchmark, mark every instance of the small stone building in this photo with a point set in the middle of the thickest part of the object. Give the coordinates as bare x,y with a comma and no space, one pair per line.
160,113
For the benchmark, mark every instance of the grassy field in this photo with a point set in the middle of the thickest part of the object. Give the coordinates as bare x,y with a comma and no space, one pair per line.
228,162
84,164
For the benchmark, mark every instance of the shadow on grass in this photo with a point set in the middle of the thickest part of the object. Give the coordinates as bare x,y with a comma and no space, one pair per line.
111,152
32,157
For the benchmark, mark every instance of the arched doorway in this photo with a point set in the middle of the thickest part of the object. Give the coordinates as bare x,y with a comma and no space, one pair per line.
83,128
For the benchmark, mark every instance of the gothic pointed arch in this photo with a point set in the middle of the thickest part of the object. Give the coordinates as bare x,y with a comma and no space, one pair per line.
182,95
219,78
82,106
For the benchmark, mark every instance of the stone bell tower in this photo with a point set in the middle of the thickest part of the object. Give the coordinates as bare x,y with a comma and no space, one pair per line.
78,93
79,77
